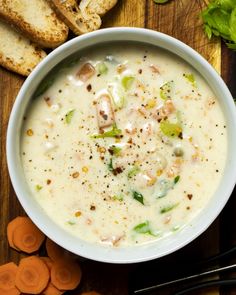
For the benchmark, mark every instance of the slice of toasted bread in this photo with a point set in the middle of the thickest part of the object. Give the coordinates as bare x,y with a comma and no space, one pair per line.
36,20
84,17
17,53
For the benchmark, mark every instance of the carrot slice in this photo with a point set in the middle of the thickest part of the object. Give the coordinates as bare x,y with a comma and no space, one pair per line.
7,279
48,261
32,276
54,251
12,225
27,237
65,274
52,290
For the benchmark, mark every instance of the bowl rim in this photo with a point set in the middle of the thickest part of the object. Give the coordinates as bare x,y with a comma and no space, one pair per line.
96,252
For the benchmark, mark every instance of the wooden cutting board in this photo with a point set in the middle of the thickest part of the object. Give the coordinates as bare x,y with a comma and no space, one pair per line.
178,18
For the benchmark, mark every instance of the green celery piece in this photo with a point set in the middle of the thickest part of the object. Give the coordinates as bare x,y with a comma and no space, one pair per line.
138,197
143,228
69,116
102,68
166,90
127,81
133,171
117,94
170,129
168,208
71,222
38,187
160,1
114,132
232,23
191,79
115,150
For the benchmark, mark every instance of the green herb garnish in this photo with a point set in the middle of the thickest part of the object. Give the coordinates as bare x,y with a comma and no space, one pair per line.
114,132
220,20
69,116
138,197
133,171
166,90
191,79
170,129
176,179
38,187
168,208
144,228
110,165
102,68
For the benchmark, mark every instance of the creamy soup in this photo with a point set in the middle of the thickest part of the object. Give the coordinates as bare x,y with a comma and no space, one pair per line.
126,146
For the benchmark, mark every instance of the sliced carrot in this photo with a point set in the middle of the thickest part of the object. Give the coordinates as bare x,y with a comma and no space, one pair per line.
7,279
52,290
12,225
48,261
65,274
54,251
32,276
27,237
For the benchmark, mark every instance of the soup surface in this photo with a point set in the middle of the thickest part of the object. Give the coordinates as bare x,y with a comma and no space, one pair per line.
126,146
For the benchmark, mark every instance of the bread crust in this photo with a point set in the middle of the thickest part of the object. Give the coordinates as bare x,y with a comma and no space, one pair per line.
17,53
50,32
84,17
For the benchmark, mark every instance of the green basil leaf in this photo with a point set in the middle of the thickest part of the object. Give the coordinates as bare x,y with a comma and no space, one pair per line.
138,197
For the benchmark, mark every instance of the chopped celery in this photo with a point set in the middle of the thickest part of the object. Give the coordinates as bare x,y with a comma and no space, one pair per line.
117,94
168,208
191,79
170,129
38,187
176,179
133,171
110,165
71,222
144,228
102,68
114,132
114,150
166,90
69,116
138,197
127,81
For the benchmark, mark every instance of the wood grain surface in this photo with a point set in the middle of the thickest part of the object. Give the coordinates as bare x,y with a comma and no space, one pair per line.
178,18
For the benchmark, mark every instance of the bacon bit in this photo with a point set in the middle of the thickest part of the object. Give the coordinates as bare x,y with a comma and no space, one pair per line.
190,196
48,101
105,114
164,111
92,208
117,170
154,69
85,169
130,130
78,213
121,68
30,132
75,175
85,72
114,240
48,181
130,140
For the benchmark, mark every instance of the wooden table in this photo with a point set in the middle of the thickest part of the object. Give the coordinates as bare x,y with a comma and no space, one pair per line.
178,18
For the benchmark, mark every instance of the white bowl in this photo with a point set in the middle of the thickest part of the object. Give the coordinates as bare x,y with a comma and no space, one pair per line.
136,253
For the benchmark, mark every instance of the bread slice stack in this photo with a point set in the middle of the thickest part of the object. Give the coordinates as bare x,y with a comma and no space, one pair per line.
27,27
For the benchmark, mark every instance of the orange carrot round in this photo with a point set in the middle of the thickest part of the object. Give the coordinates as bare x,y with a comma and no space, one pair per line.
27,237
32,276
12,225
54,251
52,290
7,279
47,261
65,274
